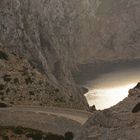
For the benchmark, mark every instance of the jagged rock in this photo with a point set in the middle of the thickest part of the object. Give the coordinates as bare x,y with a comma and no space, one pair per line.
93,108
138,86
121,122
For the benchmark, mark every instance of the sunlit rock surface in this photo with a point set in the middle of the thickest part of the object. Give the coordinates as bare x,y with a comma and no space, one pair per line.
119,122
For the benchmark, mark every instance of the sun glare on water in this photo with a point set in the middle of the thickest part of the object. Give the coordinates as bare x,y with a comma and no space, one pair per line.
107,97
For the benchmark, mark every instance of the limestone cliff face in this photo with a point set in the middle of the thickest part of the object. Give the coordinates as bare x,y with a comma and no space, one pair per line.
44,32
56,35
116,30
119,122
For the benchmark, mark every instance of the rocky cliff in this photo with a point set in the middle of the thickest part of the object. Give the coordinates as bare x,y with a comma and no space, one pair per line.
44,33
55,35
22,84
116,30
119,122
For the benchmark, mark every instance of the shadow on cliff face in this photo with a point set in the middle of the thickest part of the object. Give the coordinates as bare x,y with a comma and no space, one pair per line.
136,109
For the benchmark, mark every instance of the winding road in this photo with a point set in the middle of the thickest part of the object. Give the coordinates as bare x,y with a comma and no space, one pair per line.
47,119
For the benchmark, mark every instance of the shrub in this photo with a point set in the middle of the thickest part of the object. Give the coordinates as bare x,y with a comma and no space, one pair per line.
69,136
2,86
56,90
7,78
1,93
31,93
3,105
3,55
7,90
16,80
35,136
2,98
53,137
18,130
28,80
5,137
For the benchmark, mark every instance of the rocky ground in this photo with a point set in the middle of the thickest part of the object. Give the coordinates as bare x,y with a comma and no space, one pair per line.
20,83
121,122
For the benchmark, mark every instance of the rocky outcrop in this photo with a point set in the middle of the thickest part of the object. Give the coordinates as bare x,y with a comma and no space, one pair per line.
119,122
22,84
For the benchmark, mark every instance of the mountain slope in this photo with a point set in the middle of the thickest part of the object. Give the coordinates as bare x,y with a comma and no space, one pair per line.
119,122
56,36
21,84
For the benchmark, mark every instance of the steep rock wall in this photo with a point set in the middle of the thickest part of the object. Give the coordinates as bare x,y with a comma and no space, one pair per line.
43,32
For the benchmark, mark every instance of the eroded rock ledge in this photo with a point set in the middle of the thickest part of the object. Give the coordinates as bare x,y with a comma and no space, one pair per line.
119,122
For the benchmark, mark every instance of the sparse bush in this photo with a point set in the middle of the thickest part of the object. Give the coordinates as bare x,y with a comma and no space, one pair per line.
7,90
31,93
17,130
56,90
3,55
2,86
16,81
50,136
2,98
35,136
28,80
3,105
5,137
69,136
7,78
1,93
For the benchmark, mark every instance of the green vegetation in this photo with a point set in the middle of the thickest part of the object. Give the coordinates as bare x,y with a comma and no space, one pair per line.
69,136
5,137
33,134
17,130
